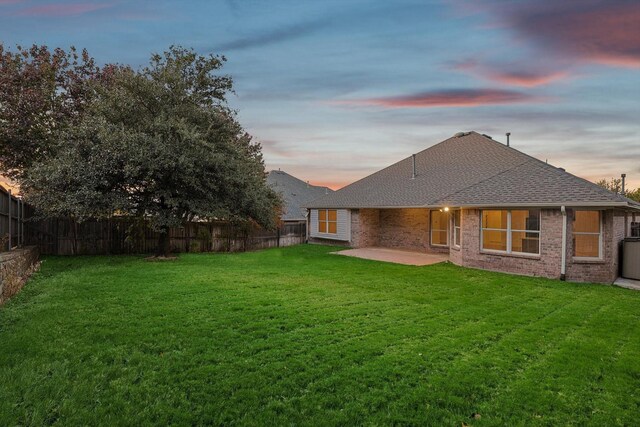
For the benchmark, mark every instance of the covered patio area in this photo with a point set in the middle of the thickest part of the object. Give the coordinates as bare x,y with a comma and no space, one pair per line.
397,256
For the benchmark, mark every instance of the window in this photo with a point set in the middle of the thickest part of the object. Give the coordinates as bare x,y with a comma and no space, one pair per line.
328,221
494,230
525,231
511,231
439,228
456,228
587,234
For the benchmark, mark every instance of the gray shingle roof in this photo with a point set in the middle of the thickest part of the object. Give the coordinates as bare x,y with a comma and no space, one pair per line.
295,193
470,170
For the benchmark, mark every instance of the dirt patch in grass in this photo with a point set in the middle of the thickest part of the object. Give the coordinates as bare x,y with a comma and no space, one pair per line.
161,258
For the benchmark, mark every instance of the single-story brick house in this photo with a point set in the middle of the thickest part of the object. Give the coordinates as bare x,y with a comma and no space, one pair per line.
488,205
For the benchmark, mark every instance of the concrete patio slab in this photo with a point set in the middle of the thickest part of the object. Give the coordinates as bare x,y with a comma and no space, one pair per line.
396,256
627,283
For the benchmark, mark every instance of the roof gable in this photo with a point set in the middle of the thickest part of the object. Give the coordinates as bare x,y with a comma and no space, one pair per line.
295,193
468,170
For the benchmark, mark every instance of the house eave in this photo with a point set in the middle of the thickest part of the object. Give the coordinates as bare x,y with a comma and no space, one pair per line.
601,205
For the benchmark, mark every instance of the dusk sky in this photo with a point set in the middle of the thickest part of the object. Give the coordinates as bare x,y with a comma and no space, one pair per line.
335,90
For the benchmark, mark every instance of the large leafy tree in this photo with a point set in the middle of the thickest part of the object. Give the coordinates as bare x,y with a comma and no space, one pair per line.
42,93
159,143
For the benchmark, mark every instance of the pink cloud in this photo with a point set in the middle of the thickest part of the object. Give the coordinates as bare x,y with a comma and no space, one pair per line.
446,98
63,9
510,75
603,32
607,33
525,79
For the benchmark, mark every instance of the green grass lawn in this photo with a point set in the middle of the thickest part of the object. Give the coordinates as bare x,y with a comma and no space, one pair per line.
299,336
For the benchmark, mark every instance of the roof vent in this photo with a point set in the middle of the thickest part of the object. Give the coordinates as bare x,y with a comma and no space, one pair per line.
413,158
485,135
562,169
459,135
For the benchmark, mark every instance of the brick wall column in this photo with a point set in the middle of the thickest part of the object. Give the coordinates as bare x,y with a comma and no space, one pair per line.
364,227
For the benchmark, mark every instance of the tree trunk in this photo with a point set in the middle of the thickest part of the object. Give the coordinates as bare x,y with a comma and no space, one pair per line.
164,248
163,239
74,230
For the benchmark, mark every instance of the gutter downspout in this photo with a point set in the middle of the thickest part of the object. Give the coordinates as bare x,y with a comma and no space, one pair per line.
563,265
307,215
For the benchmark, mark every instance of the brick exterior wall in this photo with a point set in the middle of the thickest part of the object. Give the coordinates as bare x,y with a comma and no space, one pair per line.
620,222
548,264
404,229
364,230
605,270
364,227
392,228
409,229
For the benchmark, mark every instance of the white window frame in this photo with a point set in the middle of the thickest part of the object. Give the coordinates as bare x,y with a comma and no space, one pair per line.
456,228
509,232
599,233
326,221
439,245
506,230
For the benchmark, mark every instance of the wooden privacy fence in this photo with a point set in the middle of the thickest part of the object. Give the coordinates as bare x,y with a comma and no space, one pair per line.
64,236
12,213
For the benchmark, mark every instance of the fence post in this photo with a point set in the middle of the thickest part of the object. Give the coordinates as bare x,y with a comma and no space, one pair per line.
9,227
57,236
22,223
211,239
278,237
19,209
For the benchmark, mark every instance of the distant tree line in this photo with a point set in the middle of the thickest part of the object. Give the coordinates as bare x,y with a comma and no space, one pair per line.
615,185
159,143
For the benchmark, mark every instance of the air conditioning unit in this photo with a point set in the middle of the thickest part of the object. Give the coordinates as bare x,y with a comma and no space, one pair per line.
631,258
